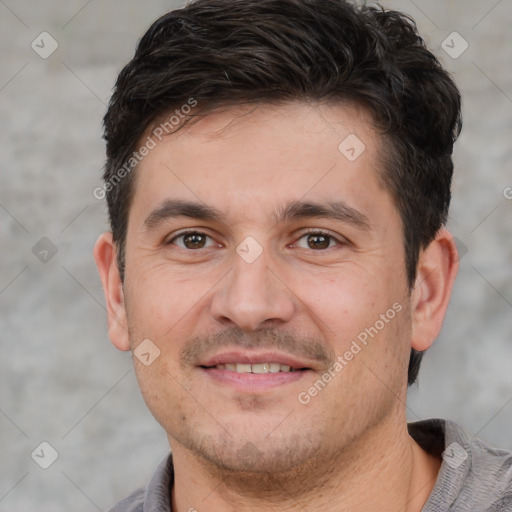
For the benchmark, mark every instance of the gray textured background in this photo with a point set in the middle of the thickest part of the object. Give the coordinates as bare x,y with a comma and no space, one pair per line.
62,381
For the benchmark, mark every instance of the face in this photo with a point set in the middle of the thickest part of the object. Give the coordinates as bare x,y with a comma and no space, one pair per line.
265,263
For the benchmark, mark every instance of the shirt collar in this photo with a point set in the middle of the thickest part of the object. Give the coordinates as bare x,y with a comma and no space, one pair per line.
157,497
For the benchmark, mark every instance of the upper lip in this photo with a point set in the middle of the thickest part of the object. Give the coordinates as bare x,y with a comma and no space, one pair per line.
246,357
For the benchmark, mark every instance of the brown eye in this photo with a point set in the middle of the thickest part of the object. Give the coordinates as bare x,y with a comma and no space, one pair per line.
191,240
318,241
194,240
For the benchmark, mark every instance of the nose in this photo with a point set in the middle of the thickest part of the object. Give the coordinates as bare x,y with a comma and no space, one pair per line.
251,295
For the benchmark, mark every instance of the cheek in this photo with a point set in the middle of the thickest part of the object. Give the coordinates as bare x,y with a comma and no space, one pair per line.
159,301
364,318
161,392
345,303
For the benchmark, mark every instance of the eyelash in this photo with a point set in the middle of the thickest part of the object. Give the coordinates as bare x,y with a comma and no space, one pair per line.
311,231
324,233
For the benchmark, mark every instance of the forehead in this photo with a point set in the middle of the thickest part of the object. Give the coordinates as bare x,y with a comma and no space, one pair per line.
265,155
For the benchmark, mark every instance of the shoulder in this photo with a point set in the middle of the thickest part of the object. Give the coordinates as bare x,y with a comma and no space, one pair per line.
482,473
474,475
491,471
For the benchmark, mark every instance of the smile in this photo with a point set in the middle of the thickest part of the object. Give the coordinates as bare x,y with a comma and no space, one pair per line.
256,368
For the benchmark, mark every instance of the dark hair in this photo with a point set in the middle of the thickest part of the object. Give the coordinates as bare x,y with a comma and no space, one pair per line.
228,52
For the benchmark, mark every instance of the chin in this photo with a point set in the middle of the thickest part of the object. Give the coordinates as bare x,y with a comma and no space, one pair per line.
260,454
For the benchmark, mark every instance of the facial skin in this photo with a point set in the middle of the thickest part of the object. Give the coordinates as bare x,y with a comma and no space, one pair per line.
245,441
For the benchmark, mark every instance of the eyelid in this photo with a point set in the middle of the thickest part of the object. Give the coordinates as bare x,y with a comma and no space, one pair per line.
340,240
199,231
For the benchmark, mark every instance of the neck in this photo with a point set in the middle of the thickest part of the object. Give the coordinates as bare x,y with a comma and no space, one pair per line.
384,470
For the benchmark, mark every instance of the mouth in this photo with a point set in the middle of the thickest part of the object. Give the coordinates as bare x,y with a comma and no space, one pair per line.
252,372
256,367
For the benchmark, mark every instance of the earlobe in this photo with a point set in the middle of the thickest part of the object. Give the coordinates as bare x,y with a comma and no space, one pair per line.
437,268
105,256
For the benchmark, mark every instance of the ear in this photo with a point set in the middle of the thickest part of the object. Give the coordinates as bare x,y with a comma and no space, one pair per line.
436,271
105,254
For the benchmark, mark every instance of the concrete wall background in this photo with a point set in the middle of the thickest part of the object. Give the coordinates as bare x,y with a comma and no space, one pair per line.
61,380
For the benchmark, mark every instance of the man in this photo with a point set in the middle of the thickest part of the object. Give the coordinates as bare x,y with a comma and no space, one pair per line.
278,179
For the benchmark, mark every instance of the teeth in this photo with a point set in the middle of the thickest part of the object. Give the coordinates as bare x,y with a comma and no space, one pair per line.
260,368
255,368
243,368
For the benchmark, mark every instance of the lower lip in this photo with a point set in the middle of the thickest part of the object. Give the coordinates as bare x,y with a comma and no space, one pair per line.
254,381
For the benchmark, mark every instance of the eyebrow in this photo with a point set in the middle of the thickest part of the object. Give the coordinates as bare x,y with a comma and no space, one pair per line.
295,210
337,210
171,208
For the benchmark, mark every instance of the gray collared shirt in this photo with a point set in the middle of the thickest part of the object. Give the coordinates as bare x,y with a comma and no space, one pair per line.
474,476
